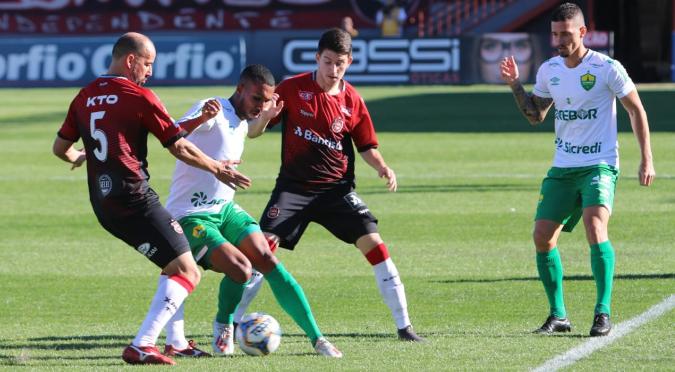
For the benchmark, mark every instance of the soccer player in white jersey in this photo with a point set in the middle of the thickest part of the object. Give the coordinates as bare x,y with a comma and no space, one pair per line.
582,84
222,236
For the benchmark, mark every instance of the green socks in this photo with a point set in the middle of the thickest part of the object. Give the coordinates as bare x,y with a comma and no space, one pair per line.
292,299
286,290
228,299
602,264
551,275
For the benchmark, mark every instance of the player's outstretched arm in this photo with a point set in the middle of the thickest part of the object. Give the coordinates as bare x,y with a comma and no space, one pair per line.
638,121
257,126
65,151
373,158
534,108
190,154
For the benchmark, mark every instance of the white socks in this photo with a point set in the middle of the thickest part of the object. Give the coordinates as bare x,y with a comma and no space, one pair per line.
247,297
175,329
168,299
392,291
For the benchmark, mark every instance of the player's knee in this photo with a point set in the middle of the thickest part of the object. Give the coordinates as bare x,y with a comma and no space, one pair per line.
242,272
543,241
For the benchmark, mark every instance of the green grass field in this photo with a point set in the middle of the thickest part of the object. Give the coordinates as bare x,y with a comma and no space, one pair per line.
72,296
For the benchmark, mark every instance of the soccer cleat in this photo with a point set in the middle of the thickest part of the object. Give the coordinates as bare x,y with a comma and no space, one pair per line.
325,348
554,324
191,351
407,334
145,355
601,325
223,339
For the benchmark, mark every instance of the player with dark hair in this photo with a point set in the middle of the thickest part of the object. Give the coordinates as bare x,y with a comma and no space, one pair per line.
583,84
323,117
223,237
113,115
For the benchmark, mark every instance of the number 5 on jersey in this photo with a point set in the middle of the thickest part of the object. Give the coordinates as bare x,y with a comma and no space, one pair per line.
98,135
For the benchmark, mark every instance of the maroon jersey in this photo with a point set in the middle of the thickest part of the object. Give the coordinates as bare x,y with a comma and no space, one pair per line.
318,130
113,116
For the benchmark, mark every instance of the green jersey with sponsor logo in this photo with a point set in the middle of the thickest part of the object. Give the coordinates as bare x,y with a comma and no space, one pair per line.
584,100
194,190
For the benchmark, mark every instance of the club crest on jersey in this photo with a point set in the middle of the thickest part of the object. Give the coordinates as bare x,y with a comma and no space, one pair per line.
273,212
199,231
587,81
176,227
338,125
305,95
104,184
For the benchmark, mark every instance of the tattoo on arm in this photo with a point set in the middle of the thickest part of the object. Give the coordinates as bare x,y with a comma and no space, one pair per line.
534,108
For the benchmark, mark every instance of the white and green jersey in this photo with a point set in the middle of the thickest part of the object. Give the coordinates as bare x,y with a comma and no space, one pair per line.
584,108
222,138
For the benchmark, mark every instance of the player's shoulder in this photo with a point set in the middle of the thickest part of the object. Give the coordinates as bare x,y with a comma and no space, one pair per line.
298,80
600,61
351,92
553,63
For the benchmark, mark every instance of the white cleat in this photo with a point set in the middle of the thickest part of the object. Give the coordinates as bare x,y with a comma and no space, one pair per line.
325,348
223,339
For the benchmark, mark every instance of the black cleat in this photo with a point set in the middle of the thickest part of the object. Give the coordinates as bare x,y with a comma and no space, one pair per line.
407,334
601,325
554,324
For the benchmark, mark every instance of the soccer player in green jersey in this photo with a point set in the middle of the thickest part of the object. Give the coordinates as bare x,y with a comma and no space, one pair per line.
222,236
582,85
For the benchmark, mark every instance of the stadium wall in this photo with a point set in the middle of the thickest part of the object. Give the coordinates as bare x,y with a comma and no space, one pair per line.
215,58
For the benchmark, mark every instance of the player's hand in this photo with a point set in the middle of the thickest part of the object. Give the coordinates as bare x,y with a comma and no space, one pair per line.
646,173
210,109
509,70
272,108
232,177
388,173
80,159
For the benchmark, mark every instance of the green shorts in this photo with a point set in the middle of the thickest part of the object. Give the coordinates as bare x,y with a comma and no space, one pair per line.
206,232
565,192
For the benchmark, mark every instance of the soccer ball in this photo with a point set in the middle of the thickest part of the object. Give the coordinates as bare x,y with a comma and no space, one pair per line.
258,334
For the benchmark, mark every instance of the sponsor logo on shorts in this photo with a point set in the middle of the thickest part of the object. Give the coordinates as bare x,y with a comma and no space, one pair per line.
146,250
104,184
198,231
305,95
337,125
176,227
602,179
273,212
356,203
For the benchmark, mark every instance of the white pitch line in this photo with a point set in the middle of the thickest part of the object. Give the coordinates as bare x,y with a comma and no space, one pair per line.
620,330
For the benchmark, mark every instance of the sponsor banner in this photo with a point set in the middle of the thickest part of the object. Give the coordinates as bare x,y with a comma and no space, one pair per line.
386,61
197,59
105,16
672,59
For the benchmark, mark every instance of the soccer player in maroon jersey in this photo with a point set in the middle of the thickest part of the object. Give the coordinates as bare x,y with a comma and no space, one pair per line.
322,119
113,115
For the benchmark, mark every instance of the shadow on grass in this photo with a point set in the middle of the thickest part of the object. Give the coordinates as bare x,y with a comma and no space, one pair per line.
422,189
570,277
